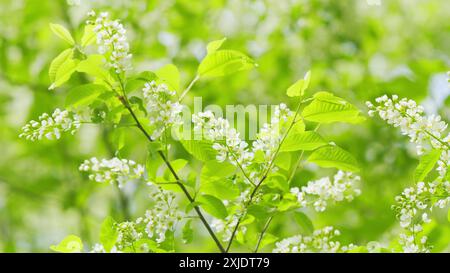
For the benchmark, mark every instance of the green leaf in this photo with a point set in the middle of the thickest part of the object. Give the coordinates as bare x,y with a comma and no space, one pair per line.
283,160
224,62
170,75
305,224
327,108
83,95
299,87
426,165
200,149
213,206
108,233
64,72
62,33
94,66
89,36
188,233
307,141
139,80
213,180
70,244
268,239
213,170
333,156
58,61
215,45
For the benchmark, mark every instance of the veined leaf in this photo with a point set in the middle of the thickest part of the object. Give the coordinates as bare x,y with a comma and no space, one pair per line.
108,234
307,141
305,224
94,66
215,45
327,108
64,72
426,164
70,244
299,87
213,180
188,233
213,206
224,62
200,149
89,36
170,75
83,95
333,156
213,170
62,33
58,61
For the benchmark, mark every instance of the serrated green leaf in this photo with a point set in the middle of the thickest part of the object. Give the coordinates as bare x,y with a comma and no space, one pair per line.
83,95
327,108
213,170
426,165
64,72
58,61
213,206
224,62
299,87
62,33
215,45
108,233
170,75
307,141
89,36
188,233
69,244
305,224
334,157
200,149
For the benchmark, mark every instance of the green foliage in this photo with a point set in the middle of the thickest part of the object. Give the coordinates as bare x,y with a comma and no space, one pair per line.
327,108
426,164
299,87
62,33
69,244
213,206
220,63
334,157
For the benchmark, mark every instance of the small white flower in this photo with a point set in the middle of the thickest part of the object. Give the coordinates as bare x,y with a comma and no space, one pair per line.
51,126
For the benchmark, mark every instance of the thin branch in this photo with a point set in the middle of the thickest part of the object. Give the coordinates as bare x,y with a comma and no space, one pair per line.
126,104
266,226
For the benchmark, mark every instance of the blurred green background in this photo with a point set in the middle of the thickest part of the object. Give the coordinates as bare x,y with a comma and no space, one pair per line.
356,50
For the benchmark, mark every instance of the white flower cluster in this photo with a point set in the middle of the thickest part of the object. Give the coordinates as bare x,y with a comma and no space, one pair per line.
271,134
227,226
410,244
127,234
229,145
321,241
163,216
410,118
320,192
164,111
415,204
51,126
114,170
227,141
111,40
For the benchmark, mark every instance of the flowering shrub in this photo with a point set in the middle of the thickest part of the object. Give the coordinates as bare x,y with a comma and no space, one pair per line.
244,183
